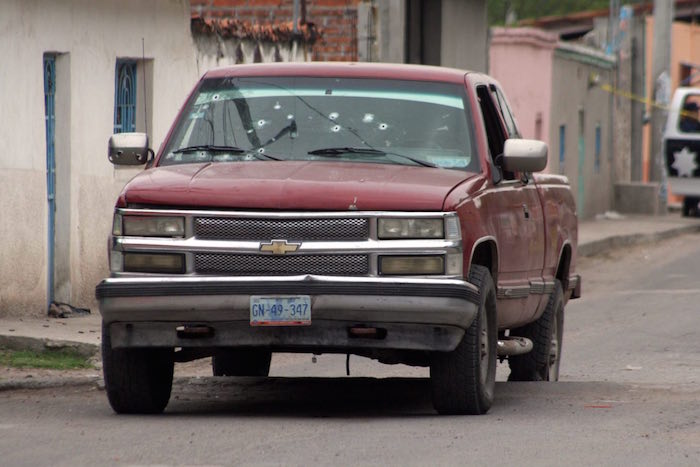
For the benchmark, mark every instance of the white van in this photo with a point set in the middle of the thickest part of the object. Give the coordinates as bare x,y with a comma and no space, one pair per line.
682,147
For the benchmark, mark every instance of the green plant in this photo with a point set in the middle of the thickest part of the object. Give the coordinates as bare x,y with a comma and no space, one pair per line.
60,359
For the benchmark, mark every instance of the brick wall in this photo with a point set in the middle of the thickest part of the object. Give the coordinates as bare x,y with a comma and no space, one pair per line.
336,20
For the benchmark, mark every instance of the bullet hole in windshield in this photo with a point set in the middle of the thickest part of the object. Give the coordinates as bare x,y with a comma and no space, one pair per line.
336,129
261,150
368,118
290,117
215,97
383,126
261,123
277,106
333,115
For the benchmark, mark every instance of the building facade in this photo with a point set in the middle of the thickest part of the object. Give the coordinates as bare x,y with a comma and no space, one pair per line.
450,33
627,33
74,73
548,83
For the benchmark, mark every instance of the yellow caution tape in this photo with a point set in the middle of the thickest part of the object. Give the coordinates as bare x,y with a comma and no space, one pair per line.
593,82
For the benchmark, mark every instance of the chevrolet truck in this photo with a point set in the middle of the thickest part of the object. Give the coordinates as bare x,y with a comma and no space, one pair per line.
388,211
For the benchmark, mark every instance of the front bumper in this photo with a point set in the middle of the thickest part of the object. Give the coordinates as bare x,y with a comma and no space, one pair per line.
413,313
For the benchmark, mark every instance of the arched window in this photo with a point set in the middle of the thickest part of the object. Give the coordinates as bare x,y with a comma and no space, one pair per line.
125,97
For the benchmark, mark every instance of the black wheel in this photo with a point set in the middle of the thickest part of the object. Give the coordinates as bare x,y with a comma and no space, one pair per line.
542,363
463,380
690,206
136,380
241,363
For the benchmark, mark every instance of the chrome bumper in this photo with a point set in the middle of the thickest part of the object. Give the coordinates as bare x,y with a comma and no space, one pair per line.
414,312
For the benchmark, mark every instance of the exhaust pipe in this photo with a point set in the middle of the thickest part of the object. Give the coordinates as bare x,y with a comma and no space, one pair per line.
513,345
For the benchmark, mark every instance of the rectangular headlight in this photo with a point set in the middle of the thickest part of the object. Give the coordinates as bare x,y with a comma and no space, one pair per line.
410,228
156,226
402,265
154,262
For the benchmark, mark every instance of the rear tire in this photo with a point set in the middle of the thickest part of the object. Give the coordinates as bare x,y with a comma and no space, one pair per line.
463,381
136,380
241,363
542,363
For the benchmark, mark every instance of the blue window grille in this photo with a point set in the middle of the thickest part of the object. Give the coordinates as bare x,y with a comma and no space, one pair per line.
562,148
597,149
125,97
50,119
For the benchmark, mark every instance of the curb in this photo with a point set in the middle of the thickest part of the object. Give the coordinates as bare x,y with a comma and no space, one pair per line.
39,344
51,383
619,241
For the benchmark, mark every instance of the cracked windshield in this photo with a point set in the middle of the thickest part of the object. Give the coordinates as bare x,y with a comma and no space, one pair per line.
367,120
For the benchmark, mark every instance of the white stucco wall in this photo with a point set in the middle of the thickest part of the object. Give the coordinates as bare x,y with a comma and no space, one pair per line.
89,35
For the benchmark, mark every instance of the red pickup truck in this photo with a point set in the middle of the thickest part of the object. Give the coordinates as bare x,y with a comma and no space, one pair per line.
387,211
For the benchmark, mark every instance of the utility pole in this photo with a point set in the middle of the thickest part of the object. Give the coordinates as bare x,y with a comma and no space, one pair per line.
661,81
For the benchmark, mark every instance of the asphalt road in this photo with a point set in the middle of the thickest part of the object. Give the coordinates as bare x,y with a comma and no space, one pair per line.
628,395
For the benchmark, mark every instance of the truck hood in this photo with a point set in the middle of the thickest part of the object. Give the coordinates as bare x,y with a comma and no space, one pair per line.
295,185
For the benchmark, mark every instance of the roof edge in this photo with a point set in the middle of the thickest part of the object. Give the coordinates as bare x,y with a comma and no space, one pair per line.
523,35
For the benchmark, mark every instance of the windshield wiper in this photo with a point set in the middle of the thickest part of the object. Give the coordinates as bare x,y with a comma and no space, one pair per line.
232,149
210,148
345,150
356,150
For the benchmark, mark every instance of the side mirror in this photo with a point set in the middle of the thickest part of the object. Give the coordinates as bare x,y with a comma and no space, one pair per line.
524,155
128,149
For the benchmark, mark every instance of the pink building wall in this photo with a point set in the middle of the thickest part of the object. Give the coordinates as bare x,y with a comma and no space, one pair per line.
521,60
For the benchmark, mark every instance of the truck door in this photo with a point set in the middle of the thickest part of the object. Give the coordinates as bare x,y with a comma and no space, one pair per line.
516,212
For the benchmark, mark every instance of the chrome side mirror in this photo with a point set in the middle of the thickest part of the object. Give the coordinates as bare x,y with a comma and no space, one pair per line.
524,155
128,149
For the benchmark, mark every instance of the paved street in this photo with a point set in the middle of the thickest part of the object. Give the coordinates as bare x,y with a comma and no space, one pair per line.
628,396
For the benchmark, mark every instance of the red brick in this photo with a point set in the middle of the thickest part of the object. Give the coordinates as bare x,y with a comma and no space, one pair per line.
269,3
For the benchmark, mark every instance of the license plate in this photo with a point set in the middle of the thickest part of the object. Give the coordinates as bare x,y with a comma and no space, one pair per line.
280,310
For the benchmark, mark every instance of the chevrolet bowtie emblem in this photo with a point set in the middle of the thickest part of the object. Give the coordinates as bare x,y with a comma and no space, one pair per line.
279,247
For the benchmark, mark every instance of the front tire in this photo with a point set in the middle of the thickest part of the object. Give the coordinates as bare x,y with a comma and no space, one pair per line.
241,363
542,363
463,380
137,381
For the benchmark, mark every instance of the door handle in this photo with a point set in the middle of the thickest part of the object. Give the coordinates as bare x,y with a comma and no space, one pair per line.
526,212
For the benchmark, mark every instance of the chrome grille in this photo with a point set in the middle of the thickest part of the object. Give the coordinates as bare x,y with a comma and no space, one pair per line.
222,228
258,265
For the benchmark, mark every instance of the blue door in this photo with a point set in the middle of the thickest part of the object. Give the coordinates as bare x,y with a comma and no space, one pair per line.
50,117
